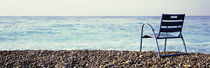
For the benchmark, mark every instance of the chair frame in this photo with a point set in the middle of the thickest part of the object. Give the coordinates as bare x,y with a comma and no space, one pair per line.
156,36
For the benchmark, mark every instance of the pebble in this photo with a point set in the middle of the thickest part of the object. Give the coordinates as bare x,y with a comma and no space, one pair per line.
129,62
188,65
140,56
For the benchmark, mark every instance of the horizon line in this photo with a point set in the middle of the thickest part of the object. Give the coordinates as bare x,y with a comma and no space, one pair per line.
110,15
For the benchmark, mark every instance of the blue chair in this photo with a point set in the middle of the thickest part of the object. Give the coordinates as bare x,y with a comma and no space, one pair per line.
170,28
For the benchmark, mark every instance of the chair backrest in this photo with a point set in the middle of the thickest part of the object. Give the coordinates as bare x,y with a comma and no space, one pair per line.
171,23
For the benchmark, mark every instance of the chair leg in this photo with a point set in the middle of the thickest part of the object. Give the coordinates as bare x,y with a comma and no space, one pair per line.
141,44
141,37
158,48
165,45
184,45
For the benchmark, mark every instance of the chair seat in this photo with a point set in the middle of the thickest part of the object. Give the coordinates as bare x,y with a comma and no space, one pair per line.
164,36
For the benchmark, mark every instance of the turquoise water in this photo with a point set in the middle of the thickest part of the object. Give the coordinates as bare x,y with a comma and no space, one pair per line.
99,32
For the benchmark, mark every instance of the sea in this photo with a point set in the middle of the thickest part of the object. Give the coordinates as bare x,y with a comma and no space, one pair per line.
97,33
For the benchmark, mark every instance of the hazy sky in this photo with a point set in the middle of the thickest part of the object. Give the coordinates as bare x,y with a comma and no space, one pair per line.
103,7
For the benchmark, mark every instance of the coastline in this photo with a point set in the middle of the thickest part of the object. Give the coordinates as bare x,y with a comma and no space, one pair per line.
99,58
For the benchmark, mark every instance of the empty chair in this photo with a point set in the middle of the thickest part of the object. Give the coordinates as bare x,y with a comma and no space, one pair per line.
170,28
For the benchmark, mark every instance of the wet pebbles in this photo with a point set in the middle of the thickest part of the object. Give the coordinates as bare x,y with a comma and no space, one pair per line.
99,58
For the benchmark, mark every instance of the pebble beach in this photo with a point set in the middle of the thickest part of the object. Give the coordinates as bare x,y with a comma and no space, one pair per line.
99,59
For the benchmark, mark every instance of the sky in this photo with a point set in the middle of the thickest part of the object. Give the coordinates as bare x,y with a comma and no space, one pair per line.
103,7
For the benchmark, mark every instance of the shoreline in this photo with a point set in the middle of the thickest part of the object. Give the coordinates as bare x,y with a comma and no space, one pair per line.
99,58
